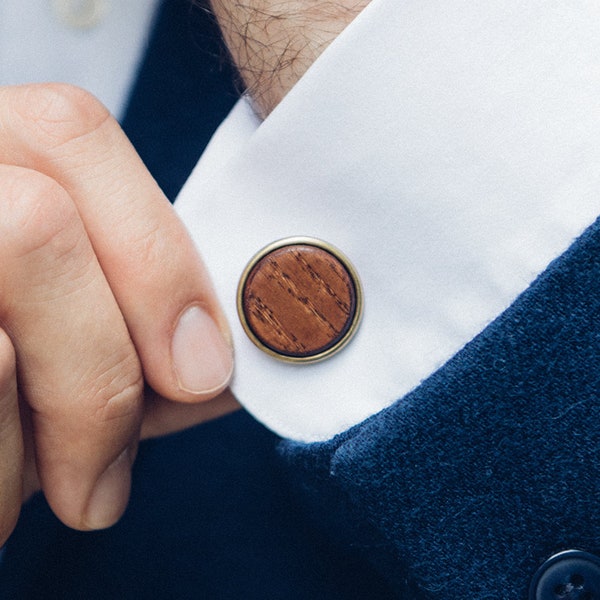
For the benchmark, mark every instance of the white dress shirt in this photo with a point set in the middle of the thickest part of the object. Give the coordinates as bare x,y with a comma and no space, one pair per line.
451,150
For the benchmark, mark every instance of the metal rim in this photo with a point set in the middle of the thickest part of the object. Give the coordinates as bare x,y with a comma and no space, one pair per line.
338,255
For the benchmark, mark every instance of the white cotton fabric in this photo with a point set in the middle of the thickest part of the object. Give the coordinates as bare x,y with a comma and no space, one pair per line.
450,149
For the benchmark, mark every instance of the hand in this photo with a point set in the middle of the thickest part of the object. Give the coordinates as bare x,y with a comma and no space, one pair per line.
100,290
273,43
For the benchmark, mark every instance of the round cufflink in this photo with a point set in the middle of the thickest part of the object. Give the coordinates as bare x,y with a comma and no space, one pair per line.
300,300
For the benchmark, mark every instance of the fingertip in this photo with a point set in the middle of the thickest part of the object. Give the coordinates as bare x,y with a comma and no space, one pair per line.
110,494
11,442
8,521
7,358
202,354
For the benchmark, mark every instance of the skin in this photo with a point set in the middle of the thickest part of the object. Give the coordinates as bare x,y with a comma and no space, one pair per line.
274,42
92,286
97,272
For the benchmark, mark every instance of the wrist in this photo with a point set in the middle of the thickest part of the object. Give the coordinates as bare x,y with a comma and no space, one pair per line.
273,43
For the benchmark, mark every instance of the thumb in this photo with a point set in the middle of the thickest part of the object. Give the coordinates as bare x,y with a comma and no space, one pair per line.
148,259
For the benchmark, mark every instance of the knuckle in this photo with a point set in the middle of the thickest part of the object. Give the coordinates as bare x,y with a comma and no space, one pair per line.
147,245
103,398
37,213
59,112
117,389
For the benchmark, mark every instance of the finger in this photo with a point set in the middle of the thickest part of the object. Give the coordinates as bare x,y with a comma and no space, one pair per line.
11,442
78,370
31,481
162,416
149,261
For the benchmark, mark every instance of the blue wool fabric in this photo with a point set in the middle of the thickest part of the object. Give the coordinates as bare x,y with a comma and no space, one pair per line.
492,464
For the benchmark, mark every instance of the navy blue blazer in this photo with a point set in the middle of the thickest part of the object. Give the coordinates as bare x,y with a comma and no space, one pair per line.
461,490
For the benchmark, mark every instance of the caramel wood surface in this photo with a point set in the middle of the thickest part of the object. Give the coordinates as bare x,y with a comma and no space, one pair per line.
299,300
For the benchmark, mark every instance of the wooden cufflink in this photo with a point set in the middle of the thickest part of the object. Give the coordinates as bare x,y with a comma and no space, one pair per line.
300,300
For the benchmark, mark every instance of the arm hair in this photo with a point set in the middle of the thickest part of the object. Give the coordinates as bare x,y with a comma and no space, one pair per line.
273,42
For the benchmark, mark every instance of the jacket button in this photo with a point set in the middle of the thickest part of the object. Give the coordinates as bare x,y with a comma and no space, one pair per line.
300,300
568,575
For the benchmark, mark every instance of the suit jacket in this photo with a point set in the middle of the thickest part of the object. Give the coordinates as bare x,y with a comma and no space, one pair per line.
461,490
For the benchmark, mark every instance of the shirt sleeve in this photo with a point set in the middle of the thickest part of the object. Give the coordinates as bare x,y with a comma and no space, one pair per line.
450,150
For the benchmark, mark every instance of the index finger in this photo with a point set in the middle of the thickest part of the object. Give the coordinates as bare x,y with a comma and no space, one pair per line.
150,262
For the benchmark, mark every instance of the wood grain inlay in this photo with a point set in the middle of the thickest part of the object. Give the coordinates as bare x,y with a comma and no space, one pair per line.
299,300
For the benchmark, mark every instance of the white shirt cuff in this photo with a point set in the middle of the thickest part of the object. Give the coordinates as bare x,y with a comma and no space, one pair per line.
451,150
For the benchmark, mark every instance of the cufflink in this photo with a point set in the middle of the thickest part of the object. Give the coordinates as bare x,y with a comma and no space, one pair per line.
300,300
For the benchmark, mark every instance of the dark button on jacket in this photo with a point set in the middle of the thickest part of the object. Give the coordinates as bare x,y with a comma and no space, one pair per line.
569,575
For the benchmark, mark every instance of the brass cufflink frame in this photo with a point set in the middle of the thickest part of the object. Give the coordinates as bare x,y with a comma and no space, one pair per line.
275,350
